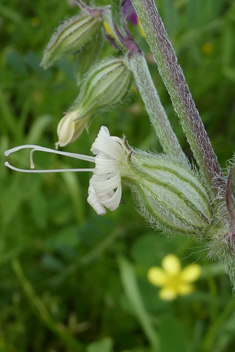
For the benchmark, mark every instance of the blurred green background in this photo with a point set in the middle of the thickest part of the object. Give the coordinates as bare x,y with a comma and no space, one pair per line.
71,280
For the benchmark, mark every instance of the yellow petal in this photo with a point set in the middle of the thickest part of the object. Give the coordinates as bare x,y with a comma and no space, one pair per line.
171,264
156,276
185,289
167,294
191,272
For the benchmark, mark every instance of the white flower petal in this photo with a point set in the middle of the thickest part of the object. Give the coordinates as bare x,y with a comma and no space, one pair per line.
106,166
110,164
113,203
95,202
106,186
107,145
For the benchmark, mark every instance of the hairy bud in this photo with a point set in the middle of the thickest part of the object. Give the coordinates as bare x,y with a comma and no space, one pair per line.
71,36
105,85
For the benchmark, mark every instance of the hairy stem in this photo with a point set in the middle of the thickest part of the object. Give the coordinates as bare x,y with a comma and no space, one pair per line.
157,115
177,87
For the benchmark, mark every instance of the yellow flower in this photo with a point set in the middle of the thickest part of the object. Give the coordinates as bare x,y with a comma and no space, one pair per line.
35,21
207,48
172,279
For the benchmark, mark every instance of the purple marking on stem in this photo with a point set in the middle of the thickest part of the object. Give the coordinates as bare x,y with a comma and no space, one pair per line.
229,196
94,12
128,12
230,241
127,40
111,41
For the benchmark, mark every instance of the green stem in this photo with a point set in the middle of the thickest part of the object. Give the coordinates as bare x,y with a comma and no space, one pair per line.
209,339
156,112
133,294
181,97
41,310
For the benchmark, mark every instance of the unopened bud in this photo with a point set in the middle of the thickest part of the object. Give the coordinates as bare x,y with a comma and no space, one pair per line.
169,195
105,85
71,36
70,129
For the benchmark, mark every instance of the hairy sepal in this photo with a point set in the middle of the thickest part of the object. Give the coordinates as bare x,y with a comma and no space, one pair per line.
105,85
70,37
170,196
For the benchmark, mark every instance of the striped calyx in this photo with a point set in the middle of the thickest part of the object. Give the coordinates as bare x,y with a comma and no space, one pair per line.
71,36
169,195
105,85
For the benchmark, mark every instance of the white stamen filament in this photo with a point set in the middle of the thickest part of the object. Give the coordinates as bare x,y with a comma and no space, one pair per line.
49,150
52,151
45,171
105,188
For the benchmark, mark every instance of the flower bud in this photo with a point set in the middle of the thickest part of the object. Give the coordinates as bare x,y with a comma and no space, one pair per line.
71,36
68,129
169,195
105,85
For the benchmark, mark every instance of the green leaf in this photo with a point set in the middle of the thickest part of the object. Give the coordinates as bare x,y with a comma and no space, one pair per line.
38,128
10,14
16,62
88,56
133,294
171,335
170,17
229,73
33,61
67,69
193,11
227,47
226,335
74,189
105,345
52,263
117,14
149,249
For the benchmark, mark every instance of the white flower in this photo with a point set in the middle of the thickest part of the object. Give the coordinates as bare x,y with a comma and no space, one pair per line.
105,188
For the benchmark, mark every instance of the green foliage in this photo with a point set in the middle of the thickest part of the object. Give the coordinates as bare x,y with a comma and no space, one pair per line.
63,285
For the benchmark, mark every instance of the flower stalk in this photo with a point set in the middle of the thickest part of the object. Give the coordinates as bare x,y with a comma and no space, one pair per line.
181,97
158,118
156,112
